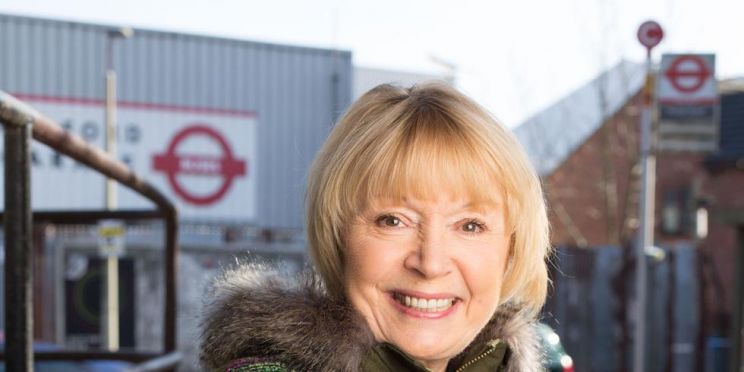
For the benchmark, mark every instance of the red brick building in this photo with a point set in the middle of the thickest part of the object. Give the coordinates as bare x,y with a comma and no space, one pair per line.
586,148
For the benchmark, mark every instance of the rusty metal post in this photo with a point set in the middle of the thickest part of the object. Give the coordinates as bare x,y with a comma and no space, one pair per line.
18,272
17,120
16,113
171,280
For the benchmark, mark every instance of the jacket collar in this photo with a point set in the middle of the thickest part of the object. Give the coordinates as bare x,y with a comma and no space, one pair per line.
491,356
256,311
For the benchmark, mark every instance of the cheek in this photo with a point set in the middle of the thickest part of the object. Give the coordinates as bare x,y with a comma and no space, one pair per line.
483,269
369,260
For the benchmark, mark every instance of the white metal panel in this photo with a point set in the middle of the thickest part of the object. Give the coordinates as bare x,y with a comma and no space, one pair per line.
295,92
145,134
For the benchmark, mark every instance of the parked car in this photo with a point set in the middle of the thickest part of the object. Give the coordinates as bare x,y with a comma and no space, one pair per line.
556,358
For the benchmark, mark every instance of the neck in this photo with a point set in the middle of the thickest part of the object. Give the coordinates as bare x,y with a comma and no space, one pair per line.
436,365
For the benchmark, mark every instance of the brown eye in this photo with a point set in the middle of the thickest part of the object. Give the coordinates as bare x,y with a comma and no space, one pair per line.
472,227
389,221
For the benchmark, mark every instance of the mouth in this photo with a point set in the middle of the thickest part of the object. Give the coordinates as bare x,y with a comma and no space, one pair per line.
432,305
424,307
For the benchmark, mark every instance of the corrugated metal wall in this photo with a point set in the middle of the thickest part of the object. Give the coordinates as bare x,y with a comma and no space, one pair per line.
591,309
296,92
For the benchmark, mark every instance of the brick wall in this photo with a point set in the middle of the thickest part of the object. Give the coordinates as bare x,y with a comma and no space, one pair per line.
592,196
593,199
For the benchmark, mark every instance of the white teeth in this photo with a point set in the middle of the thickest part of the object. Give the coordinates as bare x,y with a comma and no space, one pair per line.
422,304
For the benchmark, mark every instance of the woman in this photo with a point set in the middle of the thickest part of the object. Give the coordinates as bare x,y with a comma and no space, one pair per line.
427,227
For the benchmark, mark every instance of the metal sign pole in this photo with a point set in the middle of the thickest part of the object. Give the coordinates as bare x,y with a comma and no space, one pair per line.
110,318
649,34
111,288
646,233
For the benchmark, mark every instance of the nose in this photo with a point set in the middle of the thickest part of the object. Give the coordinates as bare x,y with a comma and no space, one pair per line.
431,258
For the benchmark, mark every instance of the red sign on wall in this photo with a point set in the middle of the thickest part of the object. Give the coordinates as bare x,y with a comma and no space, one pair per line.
688,102
687,79
225,167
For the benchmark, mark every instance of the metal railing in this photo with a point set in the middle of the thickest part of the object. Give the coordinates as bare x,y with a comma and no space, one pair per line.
21,123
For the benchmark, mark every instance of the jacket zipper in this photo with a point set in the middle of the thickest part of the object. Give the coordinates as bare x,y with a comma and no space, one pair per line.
491,348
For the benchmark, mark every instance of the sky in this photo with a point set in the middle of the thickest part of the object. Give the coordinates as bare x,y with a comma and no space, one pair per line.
513,57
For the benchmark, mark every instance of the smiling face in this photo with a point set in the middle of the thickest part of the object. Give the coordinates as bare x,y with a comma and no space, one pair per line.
426,268
426,274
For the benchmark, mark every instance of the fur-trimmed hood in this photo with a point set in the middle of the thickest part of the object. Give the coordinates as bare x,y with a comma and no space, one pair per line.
255,311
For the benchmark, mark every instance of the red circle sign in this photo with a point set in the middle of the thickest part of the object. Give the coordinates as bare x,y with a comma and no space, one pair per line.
226,167
650,34
687,74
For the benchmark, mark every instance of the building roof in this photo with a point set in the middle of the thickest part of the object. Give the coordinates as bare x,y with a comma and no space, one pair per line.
552,135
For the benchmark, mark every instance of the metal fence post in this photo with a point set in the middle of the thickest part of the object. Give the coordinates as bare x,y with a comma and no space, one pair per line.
18,272
737,364
171,281
16,117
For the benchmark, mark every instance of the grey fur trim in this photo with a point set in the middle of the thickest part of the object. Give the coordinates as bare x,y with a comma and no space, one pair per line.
518,330
252,311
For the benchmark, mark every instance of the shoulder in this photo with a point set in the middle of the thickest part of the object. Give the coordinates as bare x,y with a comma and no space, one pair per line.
519,330
254,310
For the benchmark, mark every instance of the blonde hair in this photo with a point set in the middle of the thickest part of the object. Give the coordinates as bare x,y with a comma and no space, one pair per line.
392,142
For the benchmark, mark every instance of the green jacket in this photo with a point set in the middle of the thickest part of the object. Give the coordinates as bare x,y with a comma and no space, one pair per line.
489,357
258,321
386,357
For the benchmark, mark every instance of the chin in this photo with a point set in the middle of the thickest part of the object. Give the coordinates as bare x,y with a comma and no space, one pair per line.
429,348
